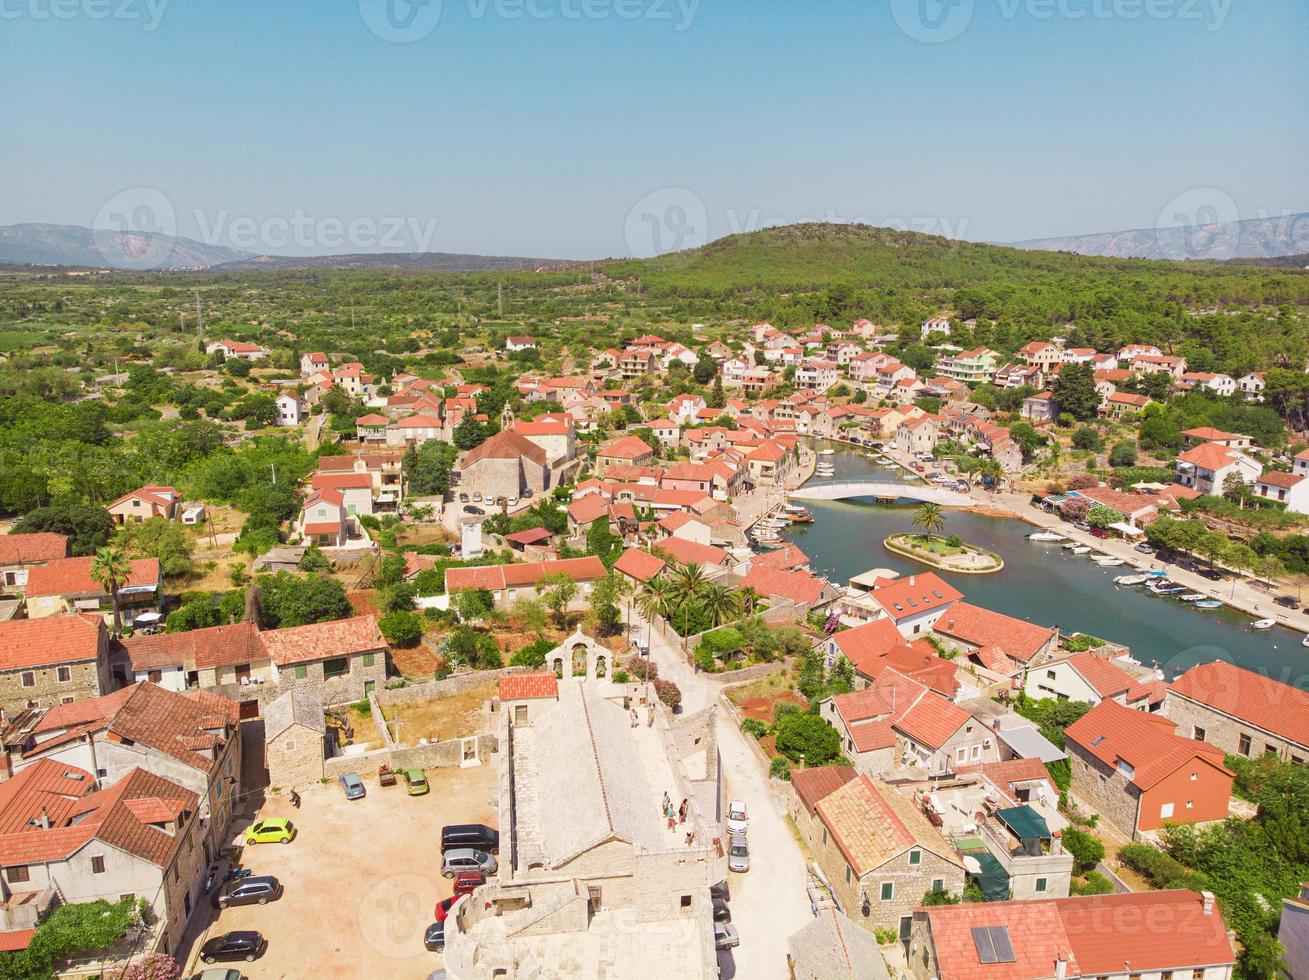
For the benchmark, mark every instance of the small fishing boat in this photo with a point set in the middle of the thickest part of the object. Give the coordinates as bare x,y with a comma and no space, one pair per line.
1079,549
1045,536
1263,624
1131,579
1305,641
1157,574
827,452
798,514
1212,604
1071,545
1108,561
1191,596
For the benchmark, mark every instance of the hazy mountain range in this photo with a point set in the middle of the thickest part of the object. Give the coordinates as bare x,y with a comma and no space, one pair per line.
1255,238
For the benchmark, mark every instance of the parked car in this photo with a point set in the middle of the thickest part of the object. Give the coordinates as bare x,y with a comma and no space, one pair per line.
248,946
1212,574
434,937
255,890
467,859
468,881
274,830
477,498
443,907
474,510
474,835
738,822
417,782
738,855
513,501
1288,601
217,973
721,912
463,498
725,936
1144,549
352,786
722,891
1099,532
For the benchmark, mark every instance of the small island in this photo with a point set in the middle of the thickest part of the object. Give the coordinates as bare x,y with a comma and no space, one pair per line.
949,554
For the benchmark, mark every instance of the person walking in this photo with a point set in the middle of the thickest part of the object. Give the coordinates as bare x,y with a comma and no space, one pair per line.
681,812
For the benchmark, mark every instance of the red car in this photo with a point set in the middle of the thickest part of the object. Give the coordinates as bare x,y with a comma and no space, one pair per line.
443,908
466,881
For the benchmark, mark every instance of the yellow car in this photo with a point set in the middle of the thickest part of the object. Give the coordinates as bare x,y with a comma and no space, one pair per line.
416,782
274,830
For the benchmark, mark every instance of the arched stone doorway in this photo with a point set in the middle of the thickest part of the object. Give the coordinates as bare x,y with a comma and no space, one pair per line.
601,667
580,651
559,667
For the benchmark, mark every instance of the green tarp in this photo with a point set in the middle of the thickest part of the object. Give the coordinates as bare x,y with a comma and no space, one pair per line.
1025,822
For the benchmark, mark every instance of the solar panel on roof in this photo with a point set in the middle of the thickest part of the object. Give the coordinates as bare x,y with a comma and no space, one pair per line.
993,945
937,594
1098,739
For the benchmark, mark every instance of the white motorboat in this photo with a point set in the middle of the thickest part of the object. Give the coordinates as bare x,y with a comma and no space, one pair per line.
1046,536
1071,545
1080,549
1209,604
827,452
1131,579
1108,561
1263,624
1191,596
1305,641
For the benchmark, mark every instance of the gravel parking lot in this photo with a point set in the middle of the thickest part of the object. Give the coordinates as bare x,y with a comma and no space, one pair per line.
361,879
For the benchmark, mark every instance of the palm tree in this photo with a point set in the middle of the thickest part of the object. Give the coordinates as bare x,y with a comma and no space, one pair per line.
720,604
110,570
656,599
688,581
749,599
929,517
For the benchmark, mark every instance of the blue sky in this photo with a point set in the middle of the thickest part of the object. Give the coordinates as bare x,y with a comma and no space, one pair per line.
572,131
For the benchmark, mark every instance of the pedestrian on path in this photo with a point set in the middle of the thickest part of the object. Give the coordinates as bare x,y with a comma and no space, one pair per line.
635,719
672,819
666,802
681,812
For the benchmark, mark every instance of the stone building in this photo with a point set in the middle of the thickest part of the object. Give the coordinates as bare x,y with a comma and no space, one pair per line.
44,662
295,740
1134,768
229,660
833,948
592,881
188,739
505,465
1240,712
807,787
881,855
339,661
20,552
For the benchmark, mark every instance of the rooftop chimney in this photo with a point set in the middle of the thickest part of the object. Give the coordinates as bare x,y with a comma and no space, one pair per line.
1207,898
911,580
1060,967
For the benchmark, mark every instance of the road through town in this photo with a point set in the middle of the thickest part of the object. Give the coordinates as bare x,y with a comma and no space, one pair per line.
769,902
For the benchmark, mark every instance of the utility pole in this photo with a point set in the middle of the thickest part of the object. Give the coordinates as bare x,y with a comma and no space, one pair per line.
273,467
199,316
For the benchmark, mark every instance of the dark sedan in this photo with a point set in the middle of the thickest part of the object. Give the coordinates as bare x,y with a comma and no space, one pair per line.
255,890
248,946
434,937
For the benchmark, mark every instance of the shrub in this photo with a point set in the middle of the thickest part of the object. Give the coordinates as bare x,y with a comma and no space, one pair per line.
640,667
363,706
780,768
1123,454
721,643
533,655
1085,849
1095,884
783,708
808,736
621,677
885,936
1087,438
1160,869
704,659
669,693
402,628
755,727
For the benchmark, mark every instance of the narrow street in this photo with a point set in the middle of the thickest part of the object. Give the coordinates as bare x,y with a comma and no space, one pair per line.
769,902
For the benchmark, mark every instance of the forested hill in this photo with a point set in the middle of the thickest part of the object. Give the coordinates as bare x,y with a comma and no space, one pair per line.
1246,316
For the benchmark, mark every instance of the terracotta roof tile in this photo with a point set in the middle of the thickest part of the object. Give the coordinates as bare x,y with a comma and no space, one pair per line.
639,564
913,595
28,643
72,577
319,641
523,687
872,823
812,785
1261,701
21,549
1147,742
212,646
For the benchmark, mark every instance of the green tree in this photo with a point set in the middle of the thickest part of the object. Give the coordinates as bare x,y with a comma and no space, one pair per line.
930,517
473,604
720,603
1235,490
87,528
557,591
288,600
110,570
469,433
1074,390
402,628
1123,454
1087,438
804,736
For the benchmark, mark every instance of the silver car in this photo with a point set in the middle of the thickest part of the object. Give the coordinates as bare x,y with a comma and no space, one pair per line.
352,786
738,855
725,935
468,859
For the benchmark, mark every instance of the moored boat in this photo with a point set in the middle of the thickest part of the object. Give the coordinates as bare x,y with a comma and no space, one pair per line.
1108,561
1079,549
1165,587
1191,596
1131,579
1211,604
1045,536
1263,624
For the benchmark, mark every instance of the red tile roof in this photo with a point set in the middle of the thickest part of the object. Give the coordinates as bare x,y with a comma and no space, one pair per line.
787,558
533,535
523,687
505,444
931,720
913,595
26,643
1208,456
588,509
1106,679
72,577
811,785
16,940
341,481
1146,742
687,552
1253,698
212,646
1274,478
625,447
1136,932
639,564
20,549
496,577
981,627
872,823
319,641
800,587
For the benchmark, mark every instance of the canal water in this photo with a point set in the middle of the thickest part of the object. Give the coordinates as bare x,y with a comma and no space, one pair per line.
1042,583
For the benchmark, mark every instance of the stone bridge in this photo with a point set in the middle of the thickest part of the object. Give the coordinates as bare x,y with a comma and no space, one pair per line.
883,491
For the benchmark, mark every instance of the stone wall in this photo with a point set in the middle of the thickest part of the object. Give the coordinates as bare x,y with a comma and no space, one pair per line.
294,758
1104,789
87,679
1225,731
